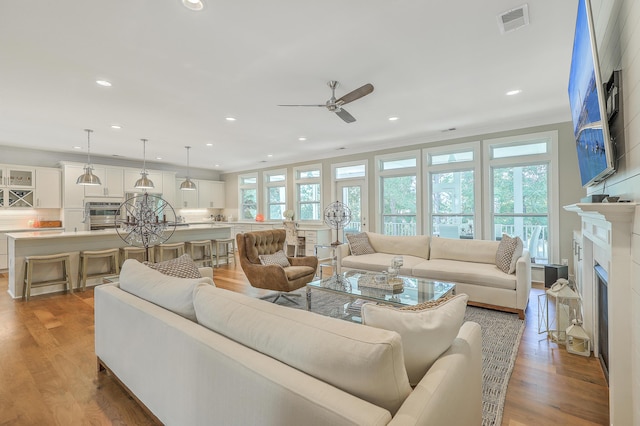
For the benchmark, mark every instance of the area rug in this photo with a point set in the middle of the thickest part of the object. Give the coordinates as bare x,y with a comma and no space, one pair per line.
501,333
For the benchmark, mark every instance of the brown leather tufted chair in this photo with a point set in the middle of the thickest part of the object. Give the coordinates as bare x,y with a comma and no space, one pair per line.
273,277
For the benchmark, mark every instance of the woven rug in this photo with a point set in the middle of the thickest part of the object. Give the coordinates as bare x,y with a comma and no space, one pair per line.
501,333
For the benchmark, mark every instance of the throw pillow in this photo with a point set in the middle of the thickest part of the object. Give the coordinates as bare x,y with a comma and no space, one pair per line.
277,258
171,293
426,334
181,267
359,244
506,255
426,305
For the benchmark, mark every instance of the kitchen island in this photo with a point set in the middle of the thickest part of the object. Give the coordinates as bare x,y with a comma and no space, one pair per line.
21,244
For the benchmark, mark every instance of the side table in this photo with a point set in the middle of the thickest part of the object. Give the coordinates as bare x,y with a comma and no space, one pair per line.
331,257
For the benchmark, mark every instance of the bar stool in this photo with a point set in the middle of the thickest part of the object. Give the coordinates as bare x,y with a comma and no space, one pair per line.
230,256
177,249
207,252
138,253
31,262
110,255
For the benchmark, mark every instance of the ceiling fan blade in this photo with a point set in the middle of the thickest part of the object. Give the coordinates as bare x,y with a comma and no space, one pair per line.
348,118
356,94
316,105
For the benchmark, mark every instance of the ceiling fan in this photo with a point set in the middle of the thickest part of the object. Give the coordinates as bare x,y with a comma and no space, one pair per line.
335,105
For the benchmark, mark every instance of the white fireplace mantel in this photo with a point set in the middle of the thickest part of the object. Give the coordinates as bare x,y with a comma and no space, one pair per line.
606,230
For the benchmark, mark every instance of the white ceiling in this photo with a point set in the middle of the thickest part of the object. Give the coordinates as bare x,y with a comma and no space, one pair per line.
177,74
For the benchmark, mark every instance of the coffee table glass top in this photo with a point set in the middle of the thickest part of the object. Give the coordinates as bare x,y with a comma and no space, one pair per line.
413,290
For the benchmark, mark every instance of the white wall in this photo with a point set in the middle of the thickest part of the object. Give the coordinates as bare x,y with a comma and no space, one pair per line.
618,34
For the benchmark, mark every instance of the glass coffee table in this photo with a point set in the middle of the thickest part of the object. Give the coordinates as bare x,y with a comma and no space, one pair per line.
362,287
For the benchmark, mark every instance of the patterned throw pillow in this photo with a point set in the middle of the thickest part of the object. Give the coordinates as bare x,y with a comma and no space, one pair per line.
426,305
359,244
277,258
509,250
181,267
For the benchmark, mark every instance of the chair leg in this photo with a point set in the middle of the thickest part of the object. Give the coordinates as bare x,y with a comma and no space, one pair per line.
278,295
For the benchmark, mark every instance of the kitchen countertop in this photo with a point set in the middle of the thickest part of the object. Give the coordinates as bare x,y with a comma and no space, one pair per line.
18,229
58,233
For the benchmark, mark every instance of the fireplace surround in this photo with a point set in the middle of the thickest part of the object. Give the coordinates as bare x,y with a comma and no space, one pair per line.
609,241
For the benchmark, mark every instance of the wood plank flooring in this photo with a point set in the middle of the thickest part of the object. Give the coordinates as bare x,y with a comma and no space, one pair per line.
48,370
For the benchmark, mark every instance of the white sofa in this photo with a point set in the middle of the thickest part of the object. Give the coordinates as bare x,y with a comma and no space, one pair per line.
471,264
272,365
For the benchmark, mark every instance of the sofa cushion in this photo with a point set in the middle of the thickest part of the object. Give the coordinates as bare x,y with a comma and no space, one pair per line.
181,267
509,250
277,258
362,361
359,244
379,262
425,333
414,245
481,251
483,274
172,293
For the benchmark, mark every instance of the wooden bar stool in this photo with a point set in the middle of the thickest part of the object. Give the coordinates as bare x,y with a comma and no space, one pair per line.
32,262
201,252
138,253
86,256
168,251
230,255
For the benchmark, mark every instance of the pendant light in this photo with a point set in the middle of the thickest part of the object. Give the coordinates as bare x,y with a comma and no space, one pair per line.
88,178
187,185
144,182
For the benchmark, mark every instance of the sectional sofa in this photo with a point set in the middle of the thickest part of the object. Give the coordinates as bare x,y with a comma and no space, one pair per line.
194,354
471,264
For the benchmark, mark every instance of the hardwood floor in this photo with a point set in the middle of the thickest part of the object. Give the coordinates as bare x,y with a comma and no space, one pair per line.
48,370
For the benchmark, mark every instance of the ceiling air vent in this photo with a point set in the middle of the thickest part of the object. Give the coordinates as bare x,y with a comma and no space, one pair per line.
513,19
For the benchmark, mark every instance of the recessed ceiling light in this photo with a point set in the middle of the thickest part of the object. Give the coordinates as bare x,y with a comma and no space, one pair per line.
103,83
230,119
217,165
77,147
393,118
158,158
269,155
116,126
209,144
513,92
302,138
196,5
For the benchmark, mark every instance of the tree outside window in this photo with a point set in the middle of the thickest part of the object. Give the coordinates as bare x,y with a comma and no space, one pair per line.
399,205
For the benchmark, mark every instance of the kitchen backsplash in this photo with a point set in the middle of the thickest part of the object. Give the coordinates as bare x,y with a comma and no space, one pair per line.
26,218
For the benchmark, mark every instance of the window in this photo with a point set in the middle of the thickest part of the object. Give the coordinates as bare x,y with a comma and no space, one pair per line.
454,189
248,196
521,176
309,192
275,189
399,193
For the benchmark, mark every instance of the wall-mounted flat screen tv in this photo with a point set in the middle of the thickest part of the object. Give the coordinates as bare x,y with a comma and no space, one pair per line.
588,105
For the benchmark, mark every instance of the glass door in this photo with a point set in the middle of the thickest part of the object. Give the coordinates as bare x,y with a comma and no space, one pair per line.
354,196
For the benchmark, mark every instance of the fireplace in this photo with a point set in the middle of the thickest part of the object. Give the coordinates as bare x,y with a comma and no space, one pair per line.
602,283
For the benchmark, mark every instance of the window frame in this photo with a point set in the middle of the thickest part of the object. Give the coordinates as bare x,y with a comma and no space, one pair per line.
475,165
550,158
380,174
244,186
267,185
298,181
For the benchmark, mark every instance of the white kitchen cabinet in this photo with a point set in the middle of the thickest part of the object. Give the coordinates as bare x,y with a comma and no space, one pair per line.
211,194
3,251
74,220
169,188
72,193
112,179
186,199
312,237
16,177
48,188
